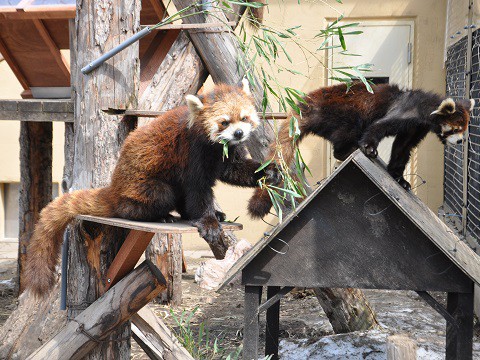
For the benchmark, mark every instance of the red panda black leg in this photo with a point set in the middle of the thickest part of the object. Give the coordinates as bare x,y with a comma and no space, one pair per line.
221,216
209,228
401,150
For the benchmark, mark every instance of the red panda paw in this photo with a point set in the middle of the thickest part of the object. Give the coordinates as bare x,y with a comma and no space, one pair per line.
273,175
209,228
259,206
369,150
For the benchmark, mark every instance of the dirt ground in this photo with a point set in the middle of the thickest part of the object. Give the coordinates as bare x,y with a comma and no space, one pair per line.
305,330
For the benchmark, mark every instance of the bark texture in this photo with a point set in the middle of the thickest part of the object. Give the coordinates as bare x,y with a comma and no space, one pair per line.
35,185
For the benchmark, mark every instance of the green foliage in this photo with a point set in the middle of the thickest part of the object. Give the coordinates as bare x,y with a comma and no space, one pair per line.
199,343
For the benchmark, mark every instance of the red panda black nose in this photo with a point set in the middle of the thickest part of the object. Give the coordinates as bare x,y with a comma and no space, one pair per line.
238,134
459,141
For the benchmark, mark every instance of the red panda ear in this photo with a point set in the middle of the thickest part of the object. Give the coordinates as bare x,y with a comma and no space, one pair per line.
446,107
246,86
194,103
472,104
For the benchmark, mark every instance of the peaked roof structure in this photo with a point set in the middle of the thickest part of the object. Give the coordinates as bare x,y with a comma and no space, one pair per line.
361,229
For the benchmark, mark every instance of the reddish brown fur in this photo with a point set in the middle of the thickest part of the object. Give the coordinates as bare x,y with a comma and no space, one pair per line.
158,165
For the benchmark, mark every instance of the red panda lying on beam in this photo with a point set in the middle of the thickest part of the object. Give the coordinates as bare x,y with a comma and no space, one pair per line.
358,119
172,163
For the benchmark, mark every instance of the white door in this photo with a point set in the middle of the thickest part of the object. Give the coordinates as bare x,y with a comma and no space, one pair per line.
387,45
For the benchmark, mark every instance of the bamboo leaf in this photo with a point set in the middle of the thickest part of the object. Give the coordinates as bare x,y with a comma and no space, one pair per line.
264,165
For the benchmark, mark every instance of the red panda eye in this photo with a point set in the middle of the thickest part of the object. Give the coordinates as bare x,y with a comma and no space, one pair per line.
244,118
225,123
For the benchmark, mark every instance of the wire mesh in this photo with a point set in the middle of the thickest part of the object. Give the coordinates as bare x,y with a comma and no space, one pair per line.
473,189
456,68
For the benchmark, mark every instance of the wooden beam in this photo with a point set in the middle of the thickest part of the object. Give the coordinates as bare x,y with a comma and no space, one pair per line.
105,315
149,113
13,65
401,347
194,26
128,256
59,59
159,8
39,12
37,110
178,227
155,338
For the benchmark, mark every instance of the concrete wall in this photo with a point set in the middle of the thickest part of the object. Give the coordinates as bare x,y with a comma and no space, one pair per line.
428,74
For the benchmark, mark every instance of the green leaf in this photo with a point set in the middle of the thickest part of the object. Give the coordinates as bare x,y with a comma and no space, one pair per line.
225,148
342,39
290,192
264,165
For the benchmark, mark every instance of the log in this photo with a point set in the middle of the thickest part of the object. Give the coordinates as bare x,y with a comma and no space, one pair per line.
155,338
220,52
165,251
35,183
91,328
401,347
98,138
347,309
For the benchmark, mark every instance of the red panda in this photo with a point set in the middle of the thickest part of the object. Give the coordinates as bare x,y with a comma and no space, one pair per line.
170,164
358,119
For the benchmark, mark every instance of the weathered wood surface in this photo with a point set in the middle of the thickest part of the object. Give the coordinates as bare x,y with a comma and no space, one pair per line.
166,252
350,312
31,324
220,52
150,113
98,138
401,347
424,218
36,110
179,227
35,185
81,335
155,338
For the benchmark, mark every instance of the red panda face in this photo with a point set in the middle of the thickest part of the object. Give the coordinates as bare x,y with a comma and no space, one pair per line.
226,114
454,118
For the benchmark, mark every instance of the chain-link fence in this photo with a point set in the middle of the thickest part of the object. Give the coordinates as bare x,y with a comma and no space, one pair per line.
462,165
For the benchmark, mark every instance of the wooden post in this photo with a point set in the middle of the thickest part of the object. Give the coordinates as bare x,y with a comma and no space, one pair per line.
272,326
98,138
460,335
401,347
251,328
90,329
165,251
35,184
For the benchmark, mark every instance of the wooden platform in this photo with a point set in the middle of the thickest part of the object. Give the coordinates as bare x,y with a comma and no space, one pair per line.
180,227
42,110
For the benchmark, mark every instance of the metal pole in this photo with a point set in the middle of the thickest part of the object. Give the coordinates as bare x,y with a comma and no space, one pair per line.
96,63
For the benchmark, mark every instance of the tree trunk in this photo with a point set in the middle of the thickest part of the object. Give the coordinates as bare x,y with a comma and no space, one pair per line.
35,185
165,251
100,27
347,309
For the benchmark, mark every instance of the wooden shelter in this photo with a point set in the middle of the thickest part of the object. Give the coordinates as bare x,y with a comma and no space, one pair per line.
360,229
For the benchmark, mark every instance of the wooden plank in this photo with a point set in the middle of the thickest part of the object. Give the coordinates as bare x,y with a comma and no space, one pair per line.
39,12
34,58
37,110
128,256
13,65
158,7
149,113
401,347
424,218
105,315
459,337
158,339
178,227
55,51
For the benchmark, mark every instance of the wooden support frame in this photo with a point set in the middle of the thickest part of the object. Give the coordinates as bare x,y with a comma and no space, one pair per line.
37,110
105,315
45,35
251,327
459,339
13,64
149,113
